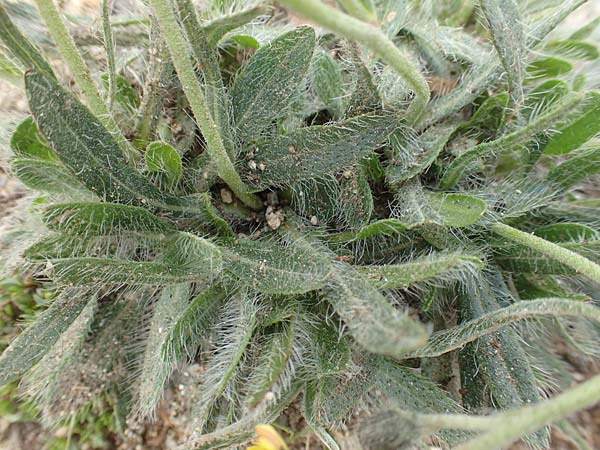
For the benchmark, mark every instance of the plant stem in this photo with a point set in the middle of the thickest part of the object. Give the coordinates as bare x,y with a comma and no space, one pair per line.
371,37
180,54
507,427
79,71
569,258
110,52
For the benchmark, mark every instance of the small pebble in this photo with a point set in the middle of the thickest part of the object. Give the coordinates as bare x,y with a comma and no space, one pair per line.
314,220
226,195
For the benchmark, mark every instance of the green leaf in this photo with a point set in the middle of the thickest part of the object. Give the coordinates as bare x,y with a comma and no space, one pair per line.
566,232
543,96
509,38
383,227
562,111
421,269
371,319
193,325
428,146
328,82
216,29
453,338
277,269
160,157
418,207
96,218
237,325
585,31
87,148
266,83
548,67
271,362
495,365
33,343
10,72
577,131
27,142
580,167
155,370
310,152
29,56
96,271
46,176
574,49
245,41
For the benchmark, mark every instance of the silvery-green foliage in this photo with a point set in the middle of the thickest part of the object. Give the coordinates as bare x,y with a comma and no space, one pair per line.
289,229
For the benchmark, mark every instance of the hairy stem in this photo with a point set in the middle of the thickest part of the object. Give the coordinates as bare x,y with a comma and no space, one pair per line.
567,257
110,52
180,55
507,427
79,71
371,37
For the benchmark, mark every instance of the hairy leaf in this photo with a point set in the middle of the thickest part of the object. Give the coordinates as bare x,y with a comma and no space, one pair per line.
87,148
32,344
265,85
102,219
420,269
508,35
371,319
579,130
310,152
276,269
581,165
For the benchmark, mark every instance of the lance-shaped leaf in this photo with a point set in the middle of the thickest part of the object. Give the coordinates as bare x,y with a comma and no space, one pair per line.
87,148
47,176
102,219
371,319
237,325
276,269
310,152
33,343
356,199
421,269
564,110
566,232
383,227
188,258
509,38
27,54
271,362
445,341
581,165
155,371
579,130
266,83
548,67
544,96
574,49
496,366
